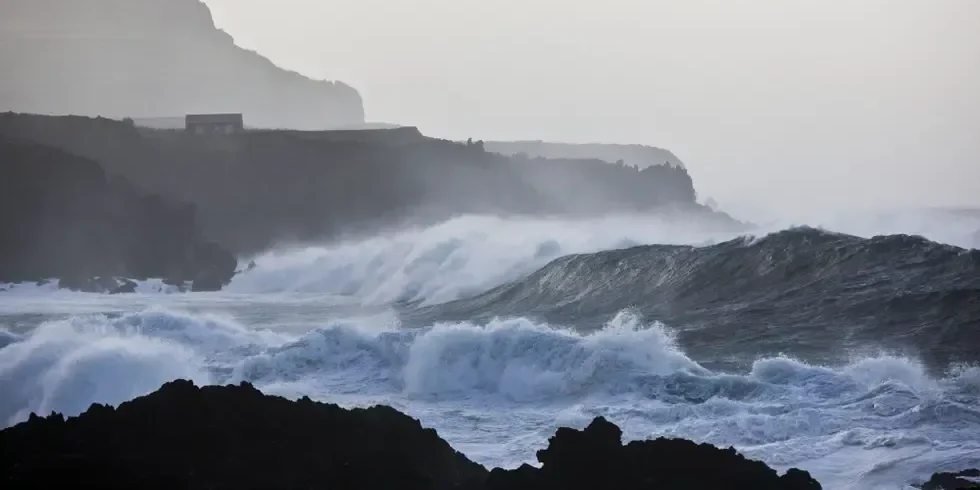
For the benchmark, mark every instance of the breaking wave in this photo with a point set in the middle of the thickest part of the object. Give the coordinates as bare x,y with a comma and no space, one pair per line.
629,370
455,259
468,255
497,331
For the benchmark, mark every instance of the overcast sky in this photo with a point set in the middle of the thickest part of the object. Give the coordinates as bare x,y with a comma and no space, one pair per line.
773,104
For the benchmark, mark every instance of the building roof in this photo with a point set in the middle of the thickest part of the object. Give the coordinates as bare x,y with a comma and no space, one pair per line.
214,119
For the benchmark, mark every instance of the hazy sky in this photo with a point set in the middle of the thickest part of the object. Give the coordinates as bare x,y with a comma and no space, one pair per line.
776,105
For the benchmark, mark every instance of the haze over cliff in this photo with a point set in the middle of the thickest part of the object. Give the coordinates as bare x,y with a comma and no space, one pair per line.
261,188
152,59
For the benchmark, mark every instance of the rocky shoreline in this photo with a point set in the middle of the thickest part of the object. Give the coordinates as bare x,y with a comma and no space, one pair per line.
184,436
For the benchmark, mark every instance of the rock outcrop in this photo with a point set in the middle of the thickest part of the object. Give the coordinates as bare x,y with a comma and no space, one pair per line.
61,216
231,437
153,60
964,480
596,458
182,436
256,189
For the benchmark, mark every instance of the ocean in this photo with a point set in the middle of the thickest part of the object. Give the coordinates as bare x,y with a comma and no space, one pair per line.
849,349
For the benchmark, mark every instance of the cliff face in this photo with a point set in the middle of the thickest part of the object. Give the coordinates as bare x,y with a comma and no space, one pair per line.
151,59
255,189
60,216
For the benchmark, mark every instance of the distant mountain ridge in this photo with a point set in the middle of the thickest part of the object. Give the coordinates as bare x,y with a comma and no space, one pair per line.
152,59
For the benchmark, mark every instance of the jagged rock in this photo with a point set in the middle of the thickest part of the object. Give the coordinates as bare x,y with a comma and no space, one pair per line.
964,480
595,458
229,437
182,436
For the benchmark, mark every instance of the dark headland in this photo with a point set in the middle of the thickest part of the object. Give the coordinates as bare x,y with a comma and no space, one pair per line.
249,191
130,70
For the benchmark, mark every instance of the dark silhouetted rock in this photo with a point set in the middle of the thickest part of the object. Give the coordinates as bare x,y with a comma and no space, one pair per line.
231,437
182,436
209,279
964,480
61,217
595,458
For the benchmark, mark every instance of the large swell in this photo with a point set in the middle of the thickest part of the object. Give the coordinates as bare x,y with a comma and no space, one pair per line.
803,291
470,254
451,260
847,355
497,390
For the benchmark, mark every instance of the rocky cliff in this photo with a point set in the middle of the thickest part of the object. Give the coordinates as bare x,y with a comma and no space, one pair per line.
235,437
259,188
151,59
62,217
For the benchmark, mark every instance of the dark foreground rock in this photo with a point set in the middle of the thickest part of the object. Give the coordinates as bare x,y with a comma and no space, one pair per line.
596,458
964,480
231,437
236,437
62,217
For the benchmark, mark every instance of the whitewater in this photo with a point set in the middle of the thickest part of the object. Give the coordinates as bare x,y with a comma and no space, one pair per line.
337,323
